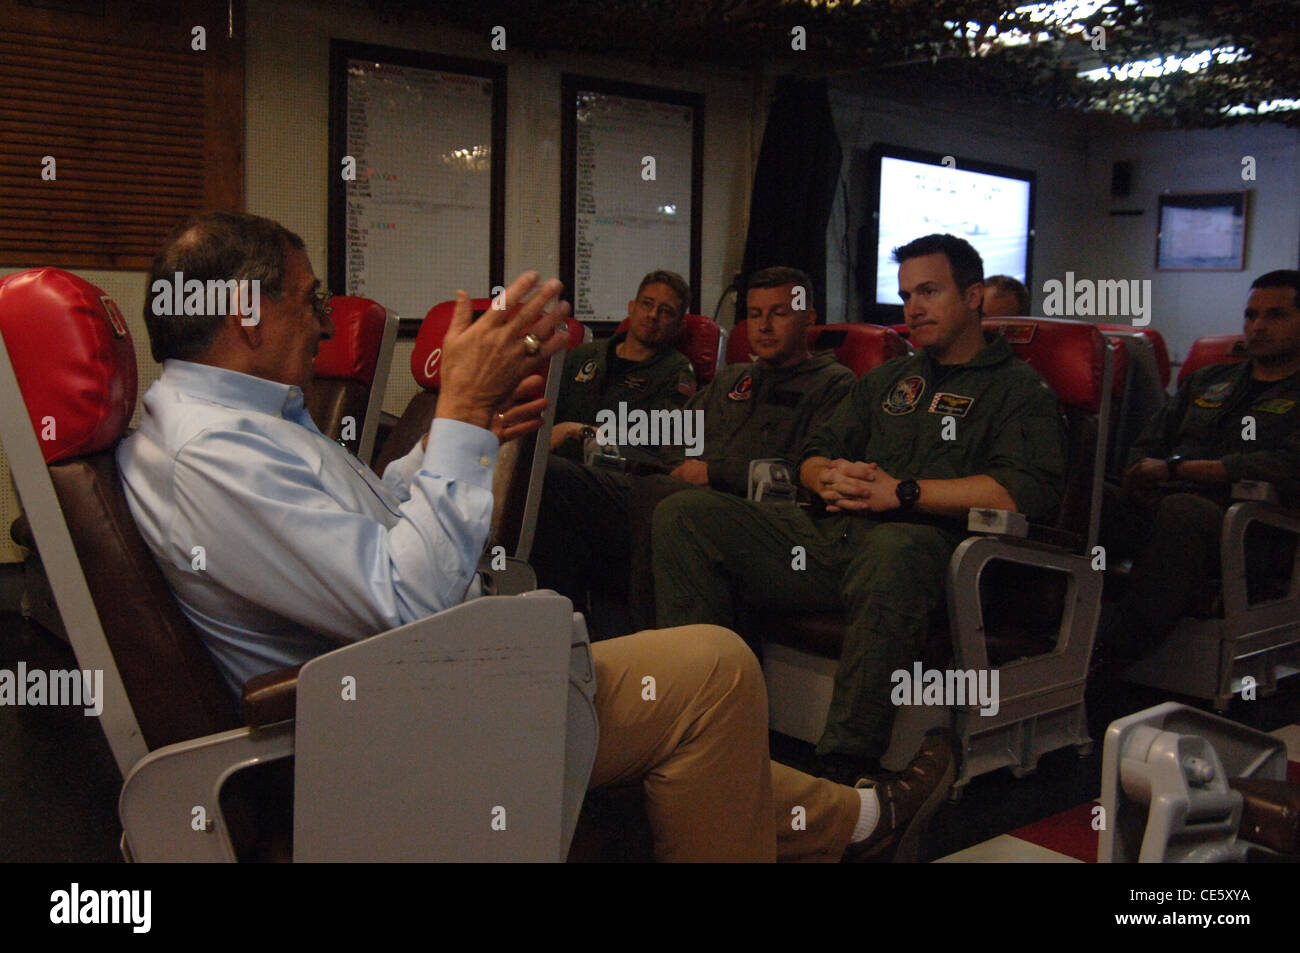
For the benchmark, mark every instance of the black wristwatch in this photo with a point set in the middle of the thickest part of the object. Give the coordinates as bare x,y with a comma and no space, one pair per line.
1172,465
908,492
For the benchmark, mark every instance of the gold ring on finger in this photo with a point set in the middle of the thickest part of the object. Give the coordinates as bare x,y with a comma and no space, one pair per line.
532,345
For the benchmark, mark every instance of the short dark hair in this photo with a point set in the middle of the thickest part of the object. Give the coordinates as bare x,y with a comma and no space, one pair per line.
674,281
779,276
966,264
1008,285
1282,278
214,246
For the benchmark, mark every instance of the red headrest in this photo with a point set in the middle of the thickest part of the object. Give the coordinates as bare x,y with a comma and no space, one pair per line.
1070,355
901,330
738,344
699,342
1157,345
426,359
352,353
1213,349
859,347
73,357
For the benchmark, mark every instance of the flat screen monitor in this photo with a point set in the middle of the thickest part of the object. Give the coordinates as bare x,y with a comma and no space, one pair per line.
917,193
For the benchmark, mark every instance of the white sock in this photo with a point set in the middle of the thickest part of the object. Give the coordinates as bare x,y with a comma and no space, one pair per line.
868,816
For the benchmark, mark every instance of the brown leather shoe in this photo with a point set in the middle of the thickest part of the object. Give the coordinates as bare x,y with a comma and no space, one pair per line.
908,800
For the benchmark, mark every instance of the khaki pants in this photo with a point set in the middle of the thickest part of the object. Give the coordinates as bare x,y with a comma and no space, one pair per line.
684,711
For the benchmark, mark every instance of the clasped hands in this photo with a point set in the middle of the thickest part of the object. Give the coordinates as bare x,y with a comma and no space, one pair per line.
851,486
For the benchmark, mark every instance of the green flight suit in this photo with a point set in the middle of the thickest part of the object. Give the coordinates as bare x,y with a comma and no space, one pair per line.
886,570
1176,542
593,530
663,381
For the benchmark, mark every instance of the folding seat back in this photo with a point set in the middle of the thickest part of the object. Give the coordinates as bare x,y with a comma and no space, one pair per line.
351,373
1158,347
1072,356
701,341
521,464
1213,349
74,365
1139,393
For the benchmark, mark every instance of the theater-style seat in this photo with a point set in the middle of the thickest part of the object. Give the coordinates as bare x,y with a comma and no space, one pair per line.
1253,639
701,341
411,771
1213,349
1022,599
351,373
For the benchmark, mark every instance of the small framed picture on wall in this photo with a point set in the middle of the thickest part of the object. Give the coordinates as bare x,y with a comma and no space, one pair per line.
1202,231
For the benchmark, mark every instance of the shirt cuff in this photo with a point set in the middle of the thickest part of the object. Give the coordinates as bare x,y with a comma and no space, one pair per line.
461,452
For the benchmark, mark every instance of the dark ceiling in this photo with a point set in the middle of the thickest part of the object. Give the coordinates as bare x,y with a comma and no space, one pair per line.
961,44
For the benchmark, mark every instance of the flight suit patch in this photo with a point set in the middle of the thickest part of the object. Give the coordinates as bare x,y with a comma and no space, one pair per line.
951,404
1216,396
1277,405
686,383
905,396
743,390
1017,332
634,381
586,372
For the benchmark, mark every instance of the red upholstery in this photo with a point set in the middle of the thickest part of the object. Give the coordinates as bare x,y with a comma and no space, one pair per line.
699,341
1068,354
859,347
738,344
1213,349
73,357
901,330
353,352
1157,345
426,359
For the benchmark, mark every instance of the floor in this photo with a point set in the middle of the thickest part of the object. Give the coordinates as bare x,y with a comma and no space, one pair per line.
59,784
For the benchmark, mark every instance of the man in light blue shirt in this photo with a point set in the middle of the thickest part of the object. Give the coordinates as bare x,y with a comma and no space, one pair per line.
280,546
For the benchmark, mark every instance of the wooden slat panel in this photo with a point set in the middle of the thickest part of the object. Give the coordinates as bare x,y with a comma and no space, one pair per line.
142,137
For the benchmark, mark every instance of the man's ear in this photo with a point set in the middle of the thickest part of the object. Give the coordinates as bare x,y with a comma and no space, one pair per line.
975,296
810,317
251,334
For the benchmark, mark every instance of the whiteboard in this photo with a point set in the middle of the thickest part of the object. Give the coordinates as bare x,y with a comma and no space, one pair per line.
633,182
418,218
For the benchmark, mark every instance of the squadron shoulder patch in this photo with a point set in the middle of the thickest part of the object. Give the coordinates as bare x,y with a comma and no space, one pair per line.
951,404
686,383
743,390
904,396
1216,396
586,372
1278,405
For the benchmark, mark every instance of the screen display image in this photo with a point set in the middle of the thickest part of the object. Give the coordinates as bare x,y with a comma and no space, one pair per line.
992,212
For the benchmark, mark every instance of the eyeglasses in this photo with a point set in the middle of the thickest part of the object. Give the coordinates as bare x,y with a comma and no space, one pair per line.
321,298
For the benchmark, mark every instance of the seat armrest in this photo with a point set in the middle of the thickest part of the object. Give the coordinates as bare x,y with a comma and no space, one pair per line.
270,697
771,481
1256,490
997,522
